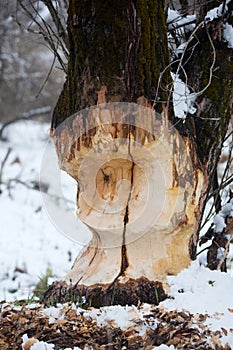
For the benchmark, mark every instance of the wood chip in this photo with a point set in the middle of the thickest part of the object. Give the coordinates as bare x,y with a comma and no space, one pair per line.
181,329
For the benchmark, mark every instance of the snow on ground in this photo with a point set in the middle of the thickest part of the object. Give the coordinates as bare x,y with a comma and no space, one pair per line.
30,244
199,290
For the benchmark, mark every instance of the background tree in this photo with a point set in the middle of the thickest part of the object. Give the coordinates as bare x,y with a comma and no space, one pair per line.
119,53
28,81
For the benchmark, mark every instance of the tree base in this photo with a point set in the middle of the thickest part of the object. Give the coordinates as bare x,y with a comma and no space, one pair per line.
133,292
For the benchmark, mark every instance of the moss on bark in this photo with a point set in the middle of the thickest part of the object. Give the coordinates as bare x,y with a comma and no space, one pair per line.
214,105
119,45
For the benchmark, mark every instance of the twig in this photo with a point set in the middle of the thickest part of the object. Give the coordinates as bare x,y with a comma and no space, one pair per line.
36,186
211,67
4,162
228,230
26,116
51,36
47,77
225,181
204,249
57,21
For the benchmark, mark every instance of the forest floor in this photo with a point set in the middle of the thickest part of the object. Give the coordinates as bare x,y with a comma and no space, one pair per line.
197,315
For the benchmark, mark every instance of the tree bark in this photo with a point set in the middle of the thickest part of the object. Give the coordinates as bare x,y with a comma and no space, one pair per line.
209,69
122,46
117,54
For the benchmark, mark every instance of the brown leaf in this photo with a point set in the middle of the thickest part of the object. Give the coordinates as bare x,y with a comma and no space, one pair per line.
216,342
29,343
224,331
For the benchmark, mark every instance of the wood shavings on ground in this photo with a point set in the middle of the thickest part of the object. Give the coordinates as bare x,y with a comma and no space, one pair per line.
68,326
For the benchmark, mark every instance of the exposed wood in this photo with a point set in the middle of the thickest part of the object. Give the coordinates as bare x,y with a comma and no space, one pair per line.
138,193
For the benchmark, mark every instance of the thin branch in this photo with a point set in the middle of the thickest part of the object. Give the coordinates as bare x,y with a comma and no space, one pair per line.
53,39
35,186
223,185
225,181
228,230
54,14
224,256
204,249
3,163
34,113
211,67
180,25
47,77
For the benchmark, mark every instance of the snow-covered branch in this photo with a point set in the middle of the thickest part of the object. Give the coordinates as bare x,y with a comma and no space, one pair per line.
34,113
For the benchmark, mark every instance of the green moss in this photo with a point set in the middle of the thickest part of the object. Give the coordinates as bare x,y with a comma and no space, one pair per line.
153,52
98,43
215,116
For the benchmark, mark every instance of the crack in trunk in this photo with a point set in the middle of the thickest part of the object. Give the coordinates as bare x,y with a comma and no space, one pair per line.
124,258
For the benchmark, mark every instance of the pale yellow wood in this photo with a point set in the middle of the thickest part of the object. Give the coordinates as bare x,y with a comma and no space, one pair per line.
137,188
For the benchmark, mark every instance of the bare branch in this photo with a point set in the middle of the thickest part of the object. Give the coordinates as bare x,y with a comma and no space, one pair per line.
3,164
56,41
34,113
54,14
47,77
228,231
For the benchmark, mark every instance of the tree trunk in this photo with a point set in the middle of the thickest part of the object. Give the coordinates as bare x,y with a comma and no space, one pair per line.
141,185
209,70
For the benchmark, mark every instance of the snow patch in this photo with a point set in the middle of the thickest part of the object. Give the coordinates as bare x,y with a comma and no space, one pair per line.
219,223
174,20
216,12
228,34
200,290
35,344
183,100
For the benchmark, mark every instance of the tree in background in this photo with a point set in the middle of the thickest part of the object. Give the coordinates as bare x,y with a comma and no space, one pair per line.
118,52
27,80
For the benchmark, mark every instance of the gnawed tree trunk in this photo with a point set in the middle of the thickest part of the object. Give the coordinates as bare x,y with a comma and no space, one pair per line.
138,193
141,186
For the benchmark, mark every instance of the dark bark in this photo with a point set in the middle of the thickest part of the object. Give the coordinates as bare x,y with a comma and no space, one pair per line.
120,45
132,292
210,69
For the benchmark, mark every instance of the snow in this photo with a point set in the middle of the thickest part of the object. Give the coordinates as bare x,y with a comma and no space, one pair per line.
174,20
123,317
30,244
200,290
183,100
53,313
219,219
164,347
216,12
227,209
228,34
219,223
38,345
42,346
